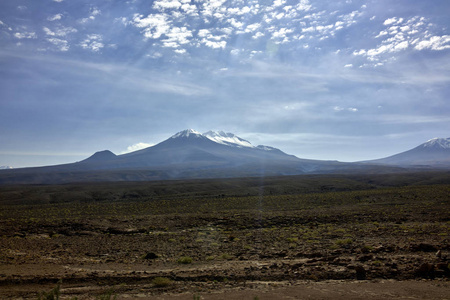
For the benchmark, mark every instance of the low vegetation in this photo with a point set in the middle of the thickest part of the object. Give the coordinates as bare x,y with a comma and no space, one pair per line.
196,236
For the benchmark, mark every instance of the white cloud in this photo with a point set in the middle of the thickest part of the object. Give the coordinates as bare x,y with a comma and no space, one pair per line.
204,32
154,25
257,35
303,5
277,3
401,35
166,4
393,20
252,27
93,42
95,11
136,147
339,108
281,33
62,31
25,35
235,52
55,17
61,44
436,43
213,44
401,46
177,36
235,23
92,14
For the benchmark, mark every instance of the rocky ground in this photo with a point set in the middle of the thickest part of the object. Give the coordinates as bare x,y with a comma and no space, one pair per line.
341,245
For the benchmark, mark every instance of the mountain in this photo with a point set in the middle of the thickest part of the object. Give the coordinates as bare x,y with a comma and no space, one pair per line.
5,167
189,149
433,153
186,154
216,154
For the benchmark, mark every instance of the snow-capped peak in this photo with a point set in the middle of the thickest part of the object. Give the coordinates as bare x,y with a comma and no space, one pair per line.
227,138
186,133
5,167
437,143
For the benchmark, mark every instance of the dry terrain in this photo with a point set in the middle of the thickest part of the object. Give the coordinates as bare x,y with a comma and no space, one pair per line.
297,237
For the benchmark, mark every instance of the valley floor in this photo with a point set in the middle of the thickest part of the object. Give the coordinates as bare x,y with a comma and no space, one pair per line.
369,241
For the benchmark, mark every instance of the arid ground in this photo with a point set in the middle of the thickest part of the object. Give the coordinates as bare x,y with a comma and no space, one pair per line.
295,237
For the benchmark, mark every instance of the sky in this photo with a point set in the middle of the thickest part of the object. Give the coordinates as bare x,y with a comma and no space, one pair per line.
345,80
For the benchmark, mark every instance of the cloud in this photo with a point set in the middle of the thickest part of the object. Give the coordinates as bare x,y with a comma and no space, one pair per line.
136,147
436,43
154,25
93,42
400,35
61,31
55,17
93,13
25,35
177,36
350,109
61,44
166,4
213,44
392,21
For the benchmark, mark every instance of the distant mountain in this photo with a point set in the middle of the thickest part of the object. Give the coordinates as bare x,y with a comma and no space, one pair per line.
5,167
433,153
101,156
186,154
216,154
193,150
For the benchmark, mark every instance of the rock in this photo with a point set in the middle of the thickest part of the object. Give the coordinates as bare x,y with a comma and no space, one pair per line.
365,257
424,247
426,270
150,255
360,272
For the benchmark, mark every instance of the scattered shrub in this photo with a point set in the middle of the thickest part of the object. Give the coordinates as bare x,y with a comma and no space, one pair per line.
108,295
52,294
161,281
185,260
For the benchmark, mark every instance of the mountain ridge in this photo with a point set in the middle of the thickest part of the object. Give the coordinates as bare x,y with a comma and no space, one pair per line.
189,154
434,153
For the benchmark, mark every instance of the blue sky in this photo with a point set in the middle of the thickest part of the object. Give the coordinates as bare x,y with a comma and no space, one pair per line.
344,80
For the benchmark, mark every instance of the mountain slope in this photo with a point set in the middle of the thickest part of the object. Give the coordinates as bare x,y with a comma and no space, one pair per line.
227,139
434,153
192,149
190,154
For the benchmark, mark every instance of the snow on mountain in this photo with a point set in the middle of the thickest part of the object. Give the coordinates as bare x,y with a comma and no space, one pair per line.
227,138
434,152
267,148
437,143
186,133
5,167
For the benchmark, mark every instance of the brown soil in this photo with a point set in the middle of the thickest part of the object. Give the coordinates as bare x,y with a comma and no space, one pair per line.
373,247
